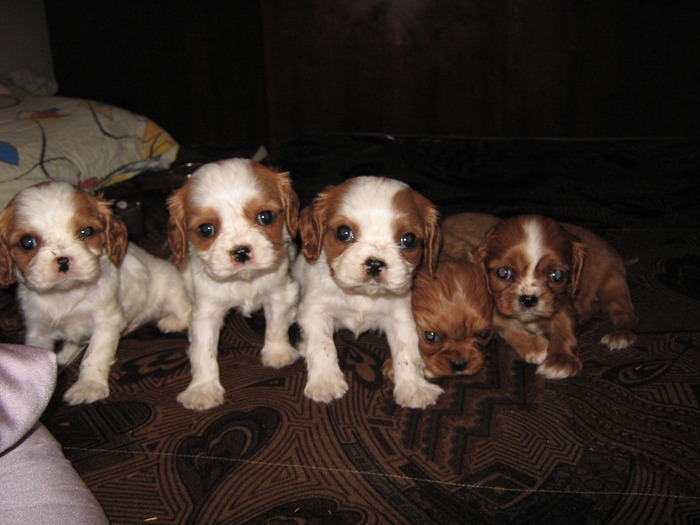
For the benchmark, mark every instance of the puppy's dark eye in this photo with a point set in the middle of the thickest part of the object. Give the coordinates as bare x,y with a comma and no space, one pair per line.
504,273
344,234
266,217
88,231
28,243
408,241
431,337
484,335
556,276
207,230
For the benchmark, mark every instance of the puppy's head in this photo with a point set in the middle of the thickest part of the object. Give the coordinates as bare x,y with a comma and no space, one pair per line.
454,318
533,266
236,215
52,236
374,233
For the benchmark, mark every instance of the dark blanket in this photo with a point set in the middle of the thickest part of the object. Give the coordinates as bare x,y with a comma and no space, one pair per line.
617,443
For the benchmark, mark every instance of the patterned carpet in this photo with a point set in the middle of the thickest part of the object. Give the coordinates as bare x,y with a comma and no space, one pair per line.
619,443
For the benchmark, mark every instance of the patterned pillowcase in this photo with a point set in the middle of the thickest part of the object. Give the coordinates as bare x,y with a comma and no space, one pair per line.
83,142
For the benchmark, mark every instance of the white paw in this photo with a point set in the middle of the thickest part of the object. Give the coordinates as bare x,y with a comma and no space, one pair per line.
202,396
417,393
619,339
326,389
278,355
172,323
86,391
535,358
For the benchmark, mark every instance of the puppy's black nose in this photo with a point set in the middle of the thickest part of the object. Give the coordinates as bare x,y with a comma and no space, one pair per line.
528,301
241,254
459,366
374,267
63,264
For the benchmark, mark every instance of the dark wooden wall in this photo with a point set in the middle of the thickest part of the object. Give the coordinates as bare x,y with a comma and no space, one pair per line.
267,70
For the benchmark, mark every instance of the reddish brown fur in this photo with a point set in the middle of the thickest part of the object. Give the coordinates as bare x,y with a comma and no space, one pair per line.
596,278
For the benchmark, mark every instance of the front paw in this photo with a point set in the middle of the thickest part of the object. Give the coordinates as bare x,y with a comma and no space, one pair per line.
619,339
86,391
202,396
326,389
416,394
559,366
278,355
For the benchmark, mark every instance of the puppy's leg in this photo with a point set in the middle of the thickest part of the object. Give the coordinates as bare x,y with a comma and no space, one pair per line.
205,390
93,379
279,309
616,301
561,360
325,381
531,347
411,389
68,353
178,308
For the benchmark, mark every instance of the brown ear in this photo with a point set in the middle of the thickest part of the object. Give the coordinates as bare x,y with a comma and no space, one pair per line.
290,200
578,256
7,264
177,227
116,235
432,231
312,226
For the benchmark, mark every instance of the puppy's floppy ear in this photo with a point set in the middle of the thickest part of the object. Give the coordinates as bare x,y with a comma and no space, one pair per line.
578,256
290,201
177,226
7,265
433,233
312,226
116,236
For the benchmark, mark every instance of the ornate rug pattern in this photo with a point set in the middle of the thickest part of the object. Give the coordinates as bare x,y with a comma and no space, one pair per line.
619,443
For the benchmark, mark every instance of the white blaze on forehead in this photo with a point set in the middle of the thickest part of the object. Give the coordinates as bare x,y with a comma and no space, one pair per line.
534,248
48,208
369,202
225,186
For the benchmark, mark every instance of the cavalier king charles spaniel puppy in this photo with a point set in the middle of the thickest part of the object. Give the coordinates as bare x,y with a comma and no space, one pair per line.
545,277
362,242
80,281
231,228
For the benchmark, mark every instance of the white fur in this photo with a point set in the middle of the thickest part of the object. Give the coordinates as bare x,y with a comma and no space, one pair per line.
218,284
347,298
95,302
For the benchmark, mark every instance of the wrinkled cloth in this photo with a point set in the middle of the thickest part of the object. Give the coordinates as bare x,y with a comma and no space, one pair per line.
38,485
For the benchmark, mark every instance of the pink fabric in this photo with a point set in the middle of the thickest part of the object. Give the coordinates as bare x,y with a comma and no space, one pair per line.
27,380
38,485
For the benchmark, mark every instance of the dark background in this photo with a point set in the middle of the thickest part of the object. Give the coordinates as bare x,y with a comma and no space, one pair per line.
221,72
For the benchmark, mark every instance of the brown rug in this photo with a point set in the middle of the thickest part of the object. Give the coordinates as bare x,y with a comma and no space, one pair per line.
619,443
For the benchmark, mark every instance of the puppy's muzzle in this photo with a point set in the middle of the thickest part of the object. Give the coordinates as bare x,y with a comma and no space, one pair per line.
63,264
528,301
241,254
459,366
374,267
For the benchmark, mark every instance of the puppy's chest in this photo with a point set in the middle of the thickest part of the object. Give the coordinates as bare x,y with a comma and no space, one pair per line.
72,319
534,328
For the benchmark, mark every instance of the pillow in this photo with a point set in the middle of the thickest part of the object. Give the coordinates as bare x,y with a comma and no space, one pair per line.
83,142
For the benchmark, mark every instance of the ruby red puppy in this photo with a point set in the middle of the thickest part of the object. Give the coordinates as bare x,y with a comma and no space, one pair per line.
545,277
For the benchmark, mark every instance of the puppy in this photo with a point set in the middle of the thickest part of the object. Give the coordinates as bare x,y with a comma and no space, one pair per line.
80,281
231,228
362,242
545,277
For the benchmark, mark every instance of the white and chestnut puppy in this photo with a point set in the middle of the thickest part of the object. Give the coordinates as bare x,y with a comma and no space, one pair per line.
362,242
545,277
231,229
80,281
